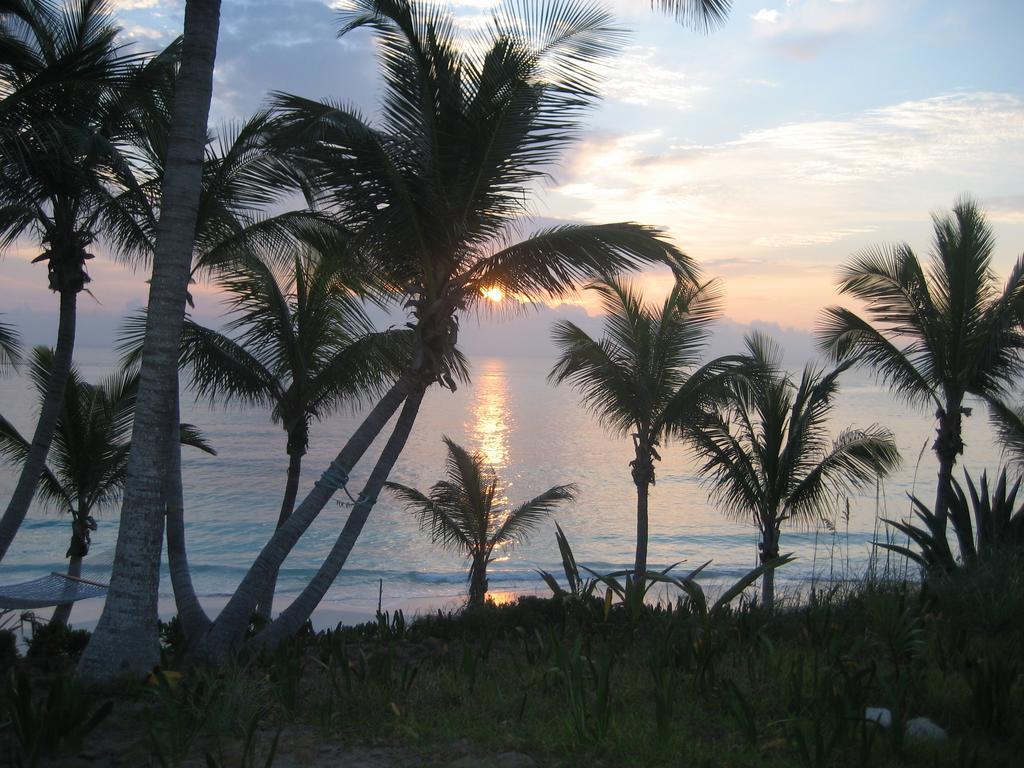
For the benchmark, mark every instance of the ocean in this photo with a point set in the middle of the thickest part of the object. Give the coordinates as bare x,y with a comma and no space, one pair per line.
536,436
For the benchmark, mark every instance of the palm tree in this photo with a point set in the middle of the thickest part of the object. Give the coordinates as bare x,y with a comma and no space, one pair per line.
767,454
303,348
242,176
125,640
71,101
86,468
643,378
466,513
936,334
433,194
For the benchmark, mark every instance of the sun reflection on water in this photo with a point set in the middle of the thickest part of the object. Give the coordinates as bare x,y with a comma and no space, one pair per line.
492,420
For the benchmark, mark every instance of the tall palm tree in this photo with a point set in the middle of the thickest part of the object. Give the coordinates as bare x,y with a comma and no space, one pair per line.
71,102
434,193
87,463
300,345
643,378
125,640
242,177
767,454
466,513
934,334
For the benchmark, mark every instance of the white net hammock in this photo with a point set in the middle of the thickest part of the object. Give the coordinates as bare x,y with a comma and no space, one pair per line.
51,590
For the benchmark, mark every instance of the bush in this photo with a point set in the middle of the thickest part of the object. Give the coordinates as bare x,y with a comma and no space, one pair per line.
56,641
8,649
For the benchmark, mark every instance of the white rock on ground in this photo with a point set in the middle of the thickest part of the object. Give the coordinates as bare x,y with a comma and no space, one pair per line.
923,729
879,715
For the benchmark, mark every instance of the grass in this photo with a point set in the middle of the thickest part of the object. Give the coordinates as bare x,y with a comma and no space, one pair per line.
559,681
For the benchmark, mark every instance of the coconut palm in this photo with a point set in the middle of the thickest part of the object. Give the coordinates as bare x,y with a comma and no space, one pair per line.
433,194
934,334
643,378
300,345
767,455
466,513
71,101
242,177
125,641
1008,423
86,468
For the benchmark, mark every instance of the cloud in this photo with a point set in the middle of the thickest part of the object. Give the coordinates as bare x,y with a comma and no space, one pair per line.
637,77
766,16
807,26
776,209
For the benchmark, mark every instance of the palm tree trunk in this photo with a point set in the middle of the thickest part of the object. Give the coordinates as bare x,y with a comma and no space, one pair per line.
643,477
947,446
293,617
642,533
62,613
291,490
194,621
229,628
125,642
769,551
478,582
53,400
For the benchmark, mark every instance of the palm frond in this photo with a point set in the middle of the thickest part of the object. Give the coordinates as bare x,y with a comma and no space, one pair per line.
555,261
193,437
856,459
516,527
10,348
701,15
1008,423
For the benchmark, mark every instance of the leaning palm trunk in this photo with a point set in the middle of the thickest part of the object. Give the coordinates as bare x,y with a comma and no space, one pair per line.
298,613
62,613
194,621
229,628
291,491
125,642
35,462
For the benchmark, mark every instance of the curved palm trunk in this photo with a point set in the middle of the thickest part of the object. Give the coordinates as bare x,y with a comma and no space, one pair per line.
125,642
53,400
62,613
194,621
293,617
229,628
291,490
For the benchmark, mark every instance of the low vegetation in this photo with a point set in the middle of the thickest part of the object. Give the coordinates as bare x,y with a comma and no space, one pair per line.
572,680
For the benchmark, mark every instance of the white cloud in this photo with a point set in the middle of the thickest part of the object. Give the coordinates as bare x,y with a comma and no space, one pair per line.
807,192
766,16
636,77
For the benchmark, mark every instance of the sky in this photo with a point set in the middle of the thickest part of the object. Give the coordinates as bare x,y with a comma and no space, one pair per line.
770,150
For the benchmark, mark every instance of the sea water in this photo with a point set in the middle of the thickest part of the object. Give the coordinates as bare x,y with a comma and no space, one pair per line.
536,436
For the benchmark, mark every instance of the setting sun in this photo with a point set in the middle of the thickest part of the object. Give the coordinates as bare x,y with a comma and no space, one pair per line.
494,293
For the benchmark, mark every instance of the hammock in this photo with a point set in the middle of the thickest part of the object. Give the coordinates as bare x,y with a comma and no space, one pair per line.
55,589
